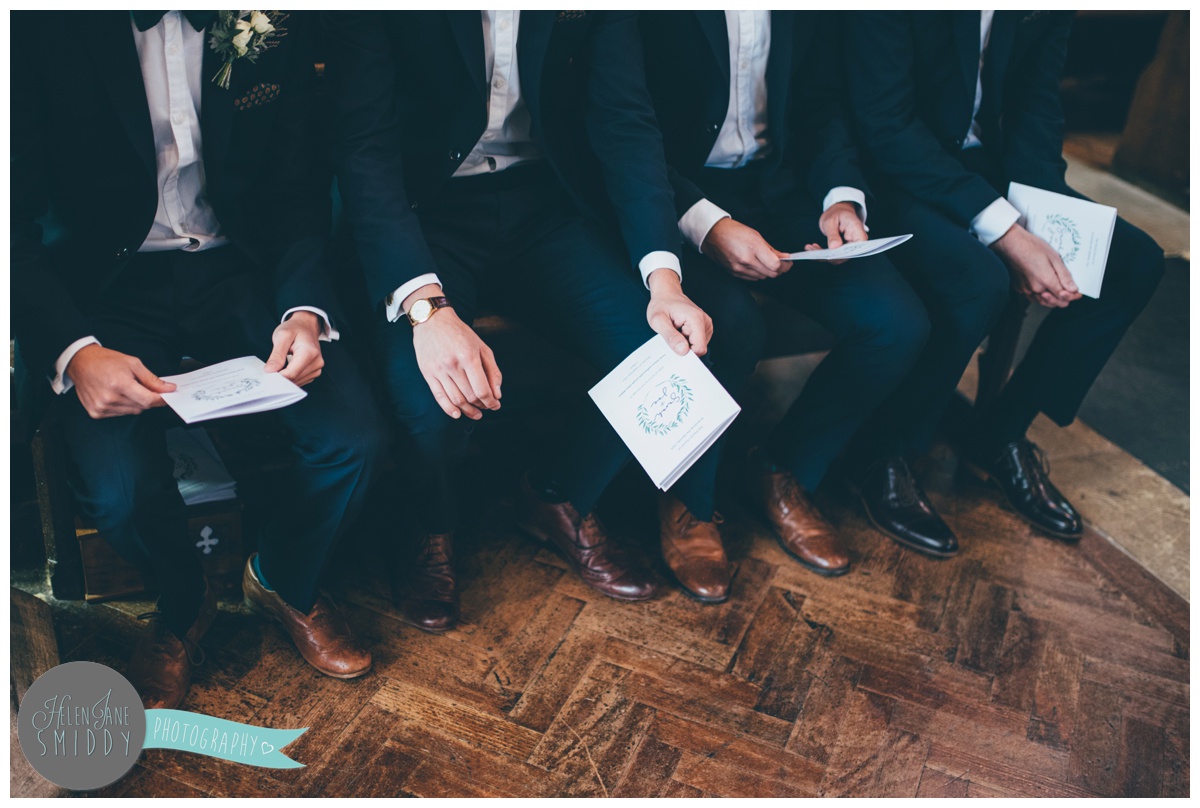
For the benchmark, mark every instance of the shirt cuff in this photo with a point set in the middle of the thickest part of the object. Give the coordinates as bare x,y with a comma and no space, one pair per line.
60,382
659,259
328,333
396,299
844,193
994,221
699,219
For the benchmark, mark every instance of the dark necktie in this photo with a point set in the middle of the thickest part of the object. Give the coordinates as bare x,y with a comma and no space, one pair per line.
145,20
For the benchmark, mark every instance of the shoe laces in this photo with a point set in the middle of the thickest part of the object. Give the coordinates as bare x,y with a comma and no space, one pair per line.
1035,456
907,491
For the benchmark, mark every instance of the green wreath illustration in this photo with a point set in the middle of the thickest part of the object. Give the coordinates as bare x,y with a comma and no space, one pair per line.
659,426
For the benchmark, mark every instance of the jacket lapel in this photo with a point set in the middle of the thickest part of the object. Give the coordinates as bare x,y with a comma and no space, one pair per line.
467,27
966,45
786,51
1000,47
533,40
112,45
216,108
717,34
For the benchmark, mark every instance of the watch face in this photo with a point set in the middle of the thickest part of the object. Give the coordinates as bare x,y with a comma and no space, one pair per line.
420,311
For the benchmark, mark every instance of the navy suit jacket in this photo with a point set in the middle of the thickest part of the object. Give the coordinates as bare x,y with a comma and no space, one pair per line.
912,88
410,102
84,175
688,73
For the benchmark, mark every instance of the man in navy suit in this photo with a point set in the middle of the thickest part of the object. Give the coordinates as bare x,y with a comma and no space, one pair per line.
511,159
763,163
183,218
952,107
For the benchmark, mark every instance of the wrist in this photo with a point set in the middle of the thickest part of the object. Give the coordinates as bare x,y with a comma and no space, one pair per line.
664,280
426,291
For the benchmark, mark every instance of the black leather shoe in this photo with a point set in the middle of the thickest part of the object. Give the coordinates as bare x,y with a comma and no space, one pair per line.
897,506
1022,474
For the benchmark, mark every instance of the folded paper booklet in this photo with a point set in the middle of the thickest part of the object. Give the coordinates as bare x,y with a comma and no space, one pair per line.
667,408
853,249
199,472
236,387
1080,231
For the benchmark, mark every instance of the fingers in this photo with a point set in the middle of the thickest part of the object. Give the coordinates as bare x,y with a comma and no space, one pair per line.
443,400
278,357
493,371
458,388
853,229
305,361
1064,277
697,327
149,380
663,326
480,386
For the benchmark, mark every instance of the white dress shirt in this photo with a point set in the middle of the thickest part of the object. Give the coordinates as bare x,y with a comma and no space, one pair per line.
993,221
171,54
743,134
507,140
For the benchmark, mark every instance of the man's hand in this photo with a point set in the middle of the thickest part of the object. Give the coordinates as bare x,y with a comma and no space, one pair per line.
1038,272
743,251
458,366
297,344
671,313
110,383
841,224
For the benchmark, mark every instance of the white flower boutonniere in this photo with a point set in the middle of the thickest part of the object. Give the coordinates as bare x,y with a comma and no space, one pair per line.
244,35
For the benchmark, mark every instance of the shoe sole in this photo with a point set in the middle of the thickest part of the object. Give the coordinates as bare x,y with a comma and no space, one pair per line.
426,629
263,613
546,541
925,551
982,474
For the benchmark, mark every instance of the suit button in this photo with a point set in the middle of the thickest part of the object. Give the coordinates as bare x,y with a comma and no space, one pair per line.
714,127
455,155
414,205
123,254
958,142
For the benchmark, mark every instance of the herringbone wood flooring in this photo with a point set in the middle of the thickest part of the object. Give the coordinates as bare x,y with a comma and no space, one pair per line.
1022,667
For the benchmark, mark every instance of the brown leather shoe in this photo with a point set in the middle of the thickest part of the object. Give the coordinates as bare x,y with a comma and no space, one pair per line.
323,637
426,594
584,542
161,667
799,526
693,550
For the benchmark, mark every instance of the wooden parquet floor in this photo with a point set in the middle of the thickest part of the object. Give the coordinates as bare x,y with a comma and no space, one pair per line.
1022,667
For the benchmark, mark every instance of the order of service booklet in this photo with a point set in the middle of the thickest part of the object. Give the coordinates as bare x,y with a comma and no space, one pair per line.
236,387
1079,231
852,249
667,408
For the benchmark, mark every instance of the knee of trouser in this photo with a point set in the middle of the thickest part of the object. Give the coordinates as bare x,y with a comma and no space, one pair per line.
895,327
975,312
113,495
739,332
1146,270
365,439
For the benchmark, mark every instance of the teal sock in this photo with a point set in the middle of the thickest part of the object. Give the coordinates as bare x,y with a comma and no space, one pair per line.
262,579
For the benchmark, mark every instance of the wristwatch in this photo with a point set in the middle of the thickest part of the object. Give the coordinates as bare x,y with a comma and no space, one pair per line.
421,310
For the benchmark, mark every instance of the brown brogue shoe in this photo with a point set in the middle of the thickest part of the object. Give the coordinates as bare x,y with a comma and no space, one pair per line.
583,540
323,637
161,667
427,594
799,527
694,551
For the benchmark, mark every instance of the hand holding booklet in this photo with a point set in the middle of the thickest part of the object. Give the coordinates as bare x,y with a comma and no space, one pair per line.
669,409
1079,231
852,249
237,387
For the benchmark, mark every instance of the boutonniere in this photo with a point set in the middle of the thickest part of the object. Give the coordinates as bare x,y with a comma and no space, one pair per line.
243,35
